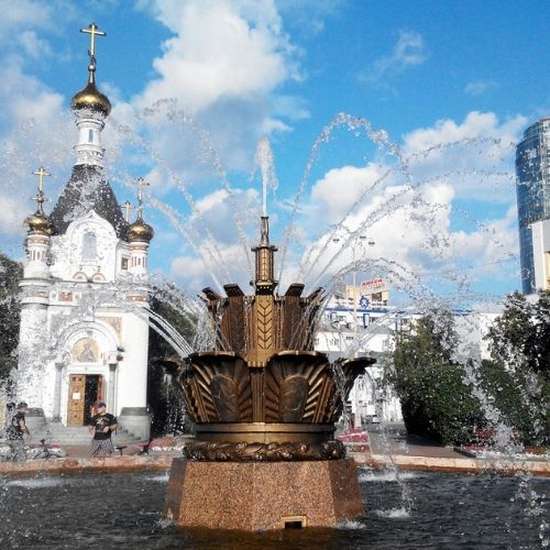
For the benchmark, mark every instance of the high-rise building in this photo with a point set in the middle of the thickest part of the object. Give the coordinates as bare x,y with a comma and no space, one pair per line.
533,192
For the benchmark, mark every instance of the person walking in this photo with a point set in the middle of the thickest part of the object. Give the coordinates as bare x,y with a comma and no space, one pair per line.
102,425
15,432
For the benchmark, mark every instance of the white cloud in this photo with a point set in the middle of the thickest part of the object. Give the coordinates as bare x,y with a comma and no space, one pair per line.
36,129
221,50
198,271
475,155
224,66
23,14
492,243
308,16
408,51
410,217
479,87
34,46
340,188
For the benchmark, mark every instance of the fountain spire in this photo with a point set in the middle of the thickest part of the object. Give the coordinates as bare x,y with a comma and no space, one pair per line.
265,282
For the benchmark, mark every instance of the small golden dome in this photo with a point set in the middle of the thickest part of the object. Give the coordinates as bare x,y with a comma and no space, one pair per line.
91,98
39,223
140,232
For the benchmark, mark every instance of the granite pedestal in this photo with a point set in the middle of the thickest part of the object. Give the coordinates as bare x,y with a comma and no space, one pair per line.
254,496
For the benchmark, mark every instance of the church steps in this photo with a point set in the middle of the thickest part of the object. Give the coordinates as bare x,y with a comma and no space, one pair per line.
79,435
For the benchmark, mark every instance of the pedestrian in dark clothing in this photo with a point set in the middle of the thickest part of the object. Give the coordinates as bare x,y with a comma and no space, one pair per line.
102,425
16,430
10,411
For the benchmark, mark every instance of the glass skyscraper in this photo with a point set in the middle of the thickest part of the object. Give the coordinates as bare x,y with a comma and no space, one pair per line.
533,192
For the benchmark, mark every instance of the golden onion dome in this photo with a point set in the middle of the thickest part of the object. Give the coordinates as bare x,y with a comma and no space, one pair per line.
140,232
39,223
91,98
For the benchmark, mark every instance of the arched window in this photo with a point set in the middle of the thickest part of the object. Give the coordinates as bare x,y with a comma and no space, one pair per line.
89,247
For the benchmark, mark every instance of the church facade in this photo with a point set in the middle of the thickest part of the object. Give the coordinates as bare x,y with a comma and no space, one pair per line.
84,329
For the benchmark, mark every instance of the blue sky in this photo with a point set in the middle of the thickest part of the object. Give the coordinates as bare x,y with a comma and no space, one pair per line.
426,72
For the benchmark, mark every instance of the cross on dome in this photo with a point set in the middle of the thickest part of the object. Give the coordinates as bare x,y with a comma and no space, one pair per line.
142,184
41,173
140,231
40,197
93,30
127,208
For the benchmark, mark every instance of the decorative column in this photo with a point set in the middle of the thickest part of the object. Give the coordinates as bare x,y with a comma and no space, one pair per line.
33,332
139,237
111,398
37,242
132,372
57,395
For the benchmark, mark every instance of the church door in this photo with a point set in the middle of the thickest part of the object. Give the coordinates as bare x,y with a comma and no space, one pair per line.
93,393
84,391
77,389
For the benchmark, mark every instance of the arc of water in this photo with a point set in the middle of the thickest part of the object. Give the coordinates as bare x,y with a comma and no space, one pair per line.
379,137
174,216
215,161
403,164
320,251
215,254
137,140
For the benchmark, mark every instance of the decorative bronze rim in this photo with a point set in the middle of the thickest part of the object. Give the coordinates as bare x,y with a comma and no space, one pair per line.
242,451
264,433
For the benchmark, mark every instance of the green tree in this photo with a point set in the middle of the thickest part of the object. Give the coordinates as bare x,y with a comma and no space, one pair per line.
518,375
10,313
435,400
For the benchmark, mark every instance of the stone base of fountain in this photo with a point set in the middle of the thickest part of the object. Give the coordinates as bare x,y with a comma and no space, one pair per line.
255,496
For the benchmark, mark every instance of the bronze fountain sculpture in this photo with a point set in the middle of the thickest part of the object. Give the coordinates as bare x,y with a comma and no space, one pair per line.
264,404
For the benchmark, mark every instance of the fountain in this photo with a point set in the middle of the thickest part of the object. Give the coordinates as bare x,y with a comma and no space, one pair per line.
263,401
264,406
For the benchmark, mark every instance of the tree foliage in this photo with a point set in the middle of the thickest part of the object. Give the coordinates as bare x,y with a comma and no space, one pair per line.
10,313
518,375
436,402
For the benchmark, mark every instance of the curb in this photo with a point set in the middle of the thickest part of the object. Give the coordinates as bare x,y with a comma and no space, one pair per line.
456,465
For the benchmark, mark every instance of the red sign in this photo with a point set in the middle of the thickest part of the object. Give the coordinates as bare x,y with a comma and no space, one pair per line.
374,285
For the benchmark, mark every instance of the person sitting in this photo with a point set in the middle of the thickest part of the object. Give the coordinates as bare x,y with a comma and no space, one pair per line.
17,428
102,425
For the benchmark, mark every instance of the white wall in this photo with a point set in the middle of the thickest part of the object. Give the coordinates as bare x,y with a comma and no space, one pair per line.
132,370
541,245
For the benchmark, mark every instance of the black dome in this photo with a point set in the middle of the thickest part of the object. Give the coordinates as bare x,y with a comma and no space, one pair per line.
87,190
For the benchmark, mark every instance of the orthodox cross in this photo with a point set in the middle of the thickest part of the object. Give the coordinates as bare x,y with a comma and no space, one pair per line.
127,207
41,173
93,31
141,183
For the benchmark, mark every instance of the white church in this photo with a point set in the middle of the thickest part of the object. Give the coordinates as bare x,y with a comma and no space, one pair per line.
84,331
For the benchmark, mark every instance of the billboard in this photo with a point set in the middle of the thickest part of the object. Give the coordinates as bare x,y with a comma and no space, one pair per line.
372,286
